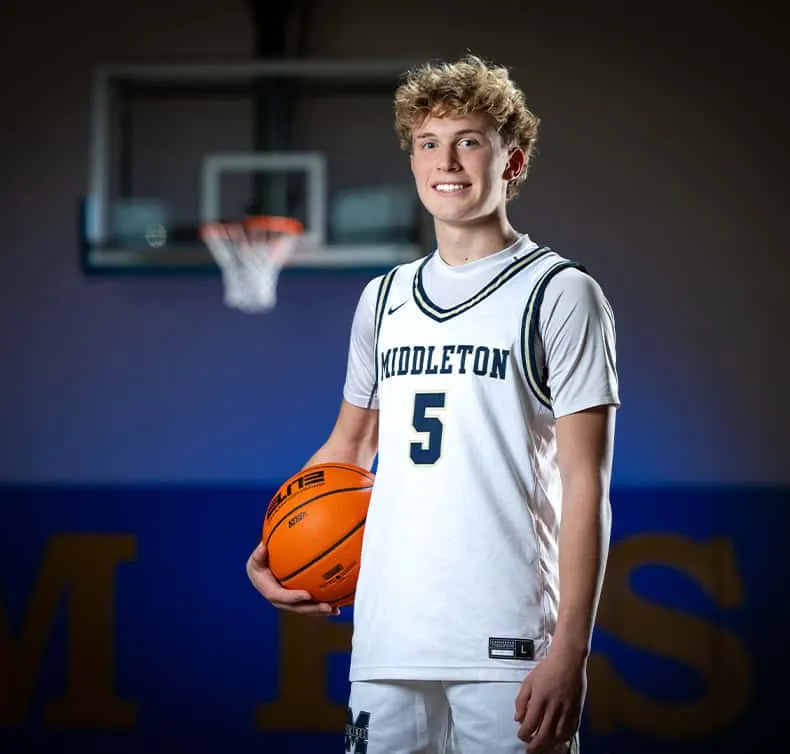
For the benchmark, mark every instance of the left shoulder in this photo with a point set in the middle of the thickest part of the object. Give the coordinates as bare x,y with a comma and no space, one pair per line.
572,284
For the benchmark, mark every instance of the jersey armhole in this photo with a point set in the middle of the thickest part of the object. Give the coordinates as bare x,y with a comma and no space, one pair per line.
535,367
381,302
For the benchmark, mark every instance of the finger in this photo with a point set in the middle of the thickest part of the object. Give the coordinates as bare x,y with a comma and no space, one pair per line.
266,583
318,609
285,597
566,727
555,748
522,700
259,554
543,740
532,718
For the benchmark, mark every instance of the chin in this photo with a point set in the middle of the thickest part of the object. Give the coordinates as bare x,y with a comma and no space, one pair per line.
458,218
455,214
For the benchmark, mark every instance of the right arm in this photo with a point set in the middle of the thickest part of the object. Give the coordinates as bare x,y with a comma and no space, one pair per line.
353,439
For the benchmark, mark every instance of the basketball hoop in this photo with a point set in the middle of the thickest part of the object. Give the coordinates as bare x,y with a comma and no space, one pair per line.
250,253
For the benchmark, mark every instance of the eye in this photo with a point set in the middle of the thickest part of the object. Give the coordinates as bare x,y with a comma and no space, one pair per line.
469,141
427,145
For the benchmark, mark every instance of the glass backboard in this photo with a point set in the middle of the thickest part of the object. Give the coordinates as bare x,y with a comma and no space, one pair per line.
175,146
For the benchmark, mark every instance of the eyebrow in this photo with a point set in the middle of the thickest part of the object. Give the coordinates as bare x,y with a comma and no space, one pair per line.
429,134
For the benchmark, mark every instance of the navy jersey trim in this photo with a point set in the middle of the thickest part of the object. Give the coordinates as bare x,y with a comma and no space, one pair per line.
439,314
537,375
381,301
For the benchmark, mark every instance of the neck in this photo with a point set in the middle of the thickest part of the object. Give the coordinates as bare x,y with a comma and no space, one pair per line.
463,243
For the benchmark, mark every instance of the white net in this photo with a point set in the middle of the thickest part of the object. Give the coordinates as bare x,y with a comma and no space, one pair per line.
250,255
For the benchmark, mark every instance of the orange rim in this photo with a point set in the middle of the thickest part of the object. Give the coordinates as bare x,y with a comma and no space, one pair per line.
272,223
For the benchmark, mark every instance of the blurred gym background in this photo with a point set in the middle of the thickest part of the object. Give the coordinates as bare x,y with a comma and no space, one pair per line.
144,423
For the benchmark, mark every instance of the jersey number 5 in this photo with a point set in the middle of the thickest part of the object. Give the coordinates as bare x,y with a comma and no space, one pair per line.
428,451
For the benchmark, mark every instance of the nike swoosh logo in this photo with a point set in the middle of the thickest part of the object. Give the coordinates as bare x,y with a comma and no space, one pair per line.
393,309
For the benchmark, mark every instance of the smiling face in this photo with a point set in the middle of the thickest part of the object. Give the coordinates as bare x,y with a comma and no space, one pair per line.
462,168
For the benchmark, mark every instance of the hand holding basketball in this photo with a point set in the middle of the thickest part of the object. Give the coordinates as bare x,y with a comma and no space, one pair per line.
312,540
295,600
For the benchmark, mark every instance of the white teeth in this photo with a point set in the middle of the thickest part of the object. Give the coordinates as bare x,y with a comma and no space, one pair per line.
450,186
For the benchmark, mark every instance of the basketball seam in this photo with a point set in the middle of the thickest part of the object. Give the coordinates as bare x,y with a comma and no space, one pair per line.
325,552
346,466
367,473
307,502
343,597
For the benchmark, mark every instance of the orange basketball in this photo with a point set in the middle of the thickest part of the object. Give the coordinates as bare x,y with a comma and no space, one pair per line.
313,530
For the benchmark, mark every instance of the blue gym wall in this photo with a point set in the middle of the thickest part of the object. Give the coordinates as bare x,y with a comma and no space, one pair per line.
143,425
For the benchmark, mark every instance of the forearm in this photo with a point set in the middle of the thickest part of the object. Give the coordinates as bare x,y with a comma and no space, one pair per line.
354,438
359,454
583,550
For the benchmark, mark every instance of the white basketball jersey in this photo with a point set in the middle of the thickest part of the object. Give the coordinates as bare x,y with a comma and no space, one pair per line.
459,577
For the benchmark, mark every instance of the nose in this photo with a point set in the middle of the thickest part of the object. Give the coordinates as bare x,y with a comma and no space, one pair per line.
448,160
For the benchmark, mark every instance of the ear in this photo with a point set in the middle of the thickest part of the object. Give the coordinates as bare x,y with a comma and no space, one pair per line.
516,162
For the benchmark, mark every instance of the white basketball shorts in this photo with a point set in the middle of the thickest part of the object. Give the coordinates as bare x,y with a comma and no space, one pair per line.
434,717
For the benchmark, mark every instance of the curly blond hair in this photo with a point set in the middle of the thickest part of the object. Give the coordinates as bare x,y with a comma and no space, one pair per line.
469,85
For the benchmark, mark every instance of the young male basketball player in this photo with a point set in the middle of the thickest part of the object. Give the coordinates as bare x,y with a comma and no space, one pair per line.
484,377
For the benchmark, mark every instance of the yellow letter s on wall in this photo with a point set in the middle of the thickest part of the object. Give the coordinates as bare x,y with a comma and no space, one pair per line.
712,650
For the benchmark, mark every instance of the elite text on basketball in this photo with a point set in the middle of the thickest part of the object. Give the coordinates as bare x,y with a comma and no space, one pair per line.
309,479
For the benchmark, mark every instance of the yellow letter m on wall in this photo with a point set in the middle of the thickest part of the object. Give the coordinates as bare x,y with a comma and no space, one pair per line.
80,572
